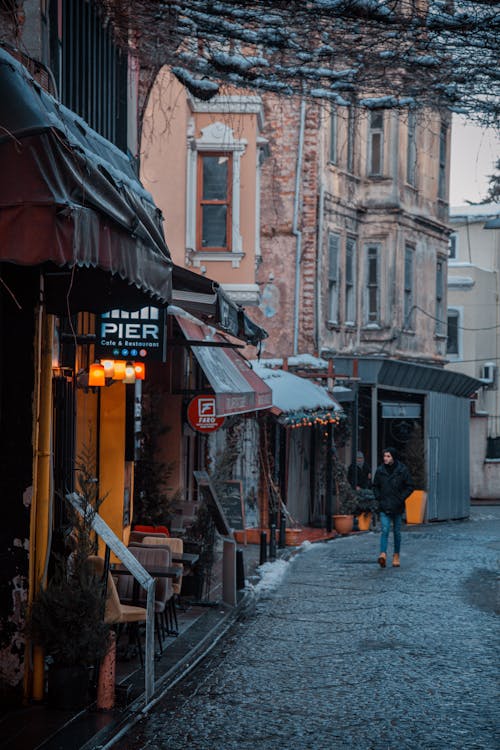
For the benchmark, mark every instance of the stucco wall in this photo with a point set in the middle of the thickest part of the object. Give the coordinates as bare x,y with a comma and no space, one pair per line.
171,123
484,475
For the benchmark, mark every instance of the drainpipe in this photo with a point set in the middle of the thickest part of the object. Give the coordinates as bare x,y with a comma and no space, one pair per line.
319,254
295,230
40,519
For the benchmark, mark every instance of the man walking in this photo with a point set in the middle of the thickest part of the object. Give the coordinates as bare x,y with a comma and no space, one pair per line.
392,484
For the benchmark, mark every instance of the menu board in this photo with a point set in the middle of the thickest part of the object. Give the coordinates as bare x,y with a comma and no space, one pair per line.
230,494
208,494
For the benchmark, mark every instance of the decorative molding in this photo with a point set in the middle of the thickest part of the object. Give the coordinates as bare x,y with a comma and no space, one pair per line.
241,105
243,294
215,137
197,258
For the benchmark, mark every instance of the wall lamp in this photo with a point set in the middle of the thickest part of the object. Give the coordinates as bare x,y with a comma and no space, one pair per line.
102,373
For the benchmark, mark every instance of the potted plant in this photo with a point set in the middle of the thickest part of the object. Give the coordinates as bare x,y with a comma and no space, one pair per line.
66,618
366,506
414,458
346,499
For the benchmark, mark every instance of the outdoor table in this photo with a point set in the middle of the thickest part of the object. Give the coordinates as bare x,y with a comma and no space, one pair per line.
187,558
170,572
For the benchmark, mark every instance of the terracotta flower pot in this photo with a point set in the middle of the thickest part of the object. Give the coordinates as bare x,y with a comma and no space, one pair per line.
343,524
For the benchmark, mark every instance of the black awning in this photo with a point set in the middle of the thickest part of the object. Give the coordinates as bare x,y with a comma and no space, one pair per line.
206,299
70,198
418,377
411,376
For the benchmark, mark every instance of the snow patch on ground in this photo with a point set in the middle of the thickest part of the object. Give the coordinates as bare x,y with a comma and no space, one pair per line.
272,574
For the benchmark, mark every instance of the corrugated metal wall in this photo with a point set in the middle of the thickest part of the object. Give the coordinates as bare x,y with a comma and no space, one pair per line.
447,420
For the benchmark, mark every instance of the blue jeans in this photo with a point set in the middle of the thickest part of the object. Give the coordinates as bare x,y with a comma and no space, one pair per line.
385,521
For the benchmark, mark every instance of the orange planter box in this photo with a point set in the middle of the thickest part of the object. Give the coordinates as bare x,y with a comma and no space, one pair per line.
415,506
252,536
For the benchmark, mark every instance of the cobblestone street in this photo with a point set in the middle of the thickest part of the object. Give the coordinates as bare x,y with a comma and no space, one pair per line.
343,654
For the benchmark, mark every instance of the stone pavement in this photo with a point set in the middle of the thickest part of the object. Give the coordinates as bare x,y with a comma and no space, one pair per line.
338,654
344,654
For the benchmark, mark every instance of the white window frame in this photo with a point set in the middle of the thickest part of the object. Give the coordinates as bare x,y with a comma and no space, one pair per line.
458,312
408,286
372,132
453,247
372,250
215,137
333,276
350,281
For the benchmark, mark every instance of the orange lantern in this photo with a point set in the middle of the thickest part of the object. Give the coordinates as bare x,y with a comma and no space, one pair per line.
140,370
129,373
109,367
120,365
96,375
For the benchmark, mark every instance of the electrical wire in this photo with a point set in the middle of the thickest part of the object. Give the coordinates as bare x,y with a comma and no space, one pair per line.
462,328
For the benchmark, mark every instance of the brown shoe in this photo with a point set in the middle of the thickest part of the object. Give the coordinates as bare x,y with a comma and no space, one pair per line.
395,561
382,559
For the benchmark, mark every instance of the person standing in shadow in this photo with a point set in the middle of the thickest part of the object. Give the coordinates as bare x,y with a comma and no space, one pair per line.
359,474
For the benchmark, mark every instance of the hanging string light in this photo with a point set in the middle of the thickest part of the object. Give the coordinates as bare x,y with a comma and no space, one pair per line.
300,419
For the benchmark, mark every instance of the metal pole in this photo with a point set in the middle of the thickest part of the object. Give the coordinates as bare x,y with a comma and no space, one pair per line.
272,542
149,659
329,483
355,428
282,534
240,570
374,433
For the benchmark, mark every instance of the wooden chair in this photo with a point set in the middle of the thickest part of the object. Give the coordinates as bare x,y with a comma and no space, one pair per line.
152,529
116,612
153,559
176,547
138,536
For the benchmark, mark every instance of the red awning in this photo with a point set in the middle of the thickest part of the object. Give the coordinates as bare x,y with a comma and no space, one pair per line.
72,205
238,389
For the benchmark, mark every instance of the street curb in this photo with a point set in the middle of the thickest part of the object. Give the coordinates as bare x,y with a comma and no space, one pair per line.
136,710
94,730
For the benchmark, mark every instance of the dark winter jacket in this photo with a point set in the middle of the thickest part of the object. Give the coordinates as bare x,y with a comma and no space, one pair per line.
391,487
363,476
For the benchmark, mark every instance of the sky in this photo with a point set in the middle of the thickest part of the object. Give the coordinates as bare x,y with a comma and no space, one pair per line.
474,151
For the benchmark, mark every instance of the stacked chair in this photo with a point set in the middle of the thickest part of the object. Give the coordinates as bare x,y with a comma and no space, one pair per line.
152,558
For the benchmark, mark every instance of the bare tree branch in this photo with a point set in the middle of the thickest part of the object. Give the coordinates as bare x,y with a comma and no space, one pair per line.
373,53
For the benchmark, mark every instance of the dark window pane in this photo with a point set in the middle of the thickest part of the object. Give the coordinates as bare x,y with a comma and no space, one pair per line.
376,153
452,344
333,252
214,226
215,178
372,304
376,120
372,270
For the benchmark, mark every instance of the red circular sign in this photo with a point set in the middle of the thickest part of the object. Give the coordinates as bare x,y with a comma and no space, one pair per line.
201,414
